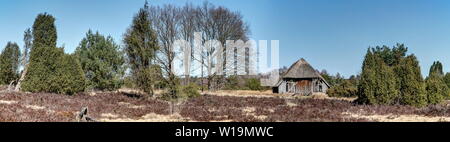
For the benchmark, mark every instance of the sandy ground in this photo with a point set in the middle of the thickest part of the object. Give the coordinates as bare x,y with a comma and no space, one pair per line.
398,118
151,117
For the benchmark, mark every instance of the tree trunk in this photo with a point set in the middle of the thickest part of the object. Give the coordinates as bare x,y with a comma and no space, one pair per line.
22,77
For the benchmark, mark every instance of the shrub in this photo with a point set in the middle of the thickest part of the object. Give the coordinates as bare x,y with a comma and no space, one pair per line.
9,63
253,84
344,89
232,83
190,91
101,61
437,90
147,78
128,82
69,78
50,70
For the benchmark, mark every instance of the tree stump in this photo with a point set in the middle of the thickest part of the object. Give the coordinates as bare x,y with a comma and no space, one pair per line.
83,116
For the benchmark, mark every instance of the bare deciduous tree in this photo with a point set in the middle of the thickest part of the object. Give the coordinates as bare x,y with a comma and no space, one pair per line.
188,27
165,21
28,38
214,25
221,24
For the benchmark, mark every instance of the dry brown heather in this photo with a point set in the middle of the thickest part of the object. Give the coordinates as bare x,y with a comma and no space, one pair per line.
115,106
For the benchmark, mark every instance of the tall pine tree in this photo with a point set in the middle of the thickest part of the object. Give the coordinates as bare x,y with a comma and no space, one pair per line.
141,45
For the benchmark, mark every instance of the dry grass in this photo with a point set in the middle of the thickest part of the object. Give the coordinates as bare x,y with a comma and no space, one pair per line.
244,93
151,117
398,118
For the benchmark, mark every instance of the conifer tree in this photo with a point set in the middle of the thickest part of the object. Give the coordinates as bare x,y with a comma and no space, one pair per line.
386,91
366,92
49,68
447,79
141,45
411,83
9,63
101,60
436,68
437,90
43,55
388,77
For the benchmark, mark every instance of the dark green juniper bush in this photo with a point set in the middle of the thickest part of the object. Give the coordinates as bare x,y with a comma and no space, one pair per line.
50,69
9,64
390,77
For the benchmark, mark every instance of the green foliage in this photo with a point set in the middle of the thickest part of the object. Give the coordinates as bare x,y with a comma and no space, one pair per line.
332,80
242,83
190,91
140,41
391,57
9,63
436,88
436,68
69,78
140,47
253,84
232,83
380,82
147,78
50,70
102,61
412,85
128,82
386,91
370,91
344,89
447,79
390,77
44,31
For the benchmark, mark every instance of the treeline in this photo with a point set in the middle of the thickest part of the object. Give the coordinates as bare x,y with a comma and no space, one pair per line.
390,76
341,86
145,62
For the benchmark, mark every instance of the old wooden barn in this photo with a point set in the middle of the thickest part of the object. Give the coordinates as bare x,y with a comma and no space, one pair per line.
301,78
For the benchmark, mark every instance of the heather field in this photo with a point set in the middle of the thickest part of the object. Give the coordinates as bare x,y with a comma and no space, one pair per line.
121,107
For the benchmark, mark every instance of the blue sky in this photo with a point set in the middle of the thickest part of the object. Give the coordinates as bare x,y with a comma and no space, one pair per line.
330,34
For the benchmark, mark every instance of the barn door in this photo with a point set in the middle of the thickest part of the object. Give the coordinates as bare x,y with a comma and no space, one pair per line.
303,87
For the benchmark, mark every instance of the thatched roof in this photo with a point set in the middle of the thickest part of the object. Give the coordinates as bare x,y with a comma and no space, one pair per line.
302,70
